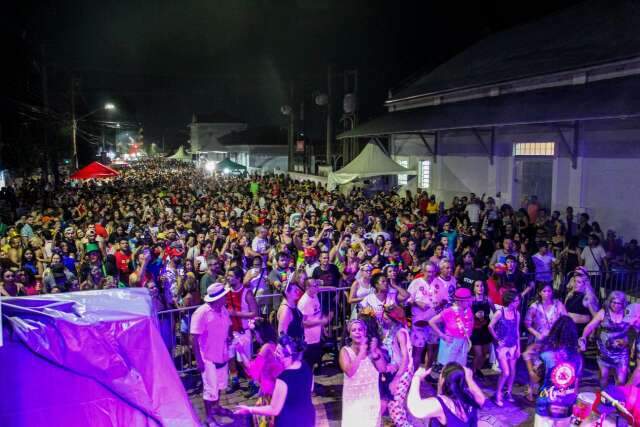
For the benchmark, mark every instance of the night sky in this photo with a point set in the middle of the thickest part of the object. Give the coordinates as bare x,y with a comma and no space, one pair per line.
163,60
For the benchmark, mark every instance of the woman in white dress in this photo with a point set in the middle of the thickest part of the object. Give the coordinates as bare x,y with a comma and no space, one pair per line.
362,363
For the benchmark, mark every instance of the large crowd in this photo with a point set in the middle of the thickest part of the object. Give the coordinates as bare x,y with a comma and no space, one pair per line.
269,269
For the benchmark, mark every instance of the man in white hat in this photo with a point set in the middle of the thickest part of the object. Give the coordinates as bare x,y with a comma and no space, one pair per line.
210,328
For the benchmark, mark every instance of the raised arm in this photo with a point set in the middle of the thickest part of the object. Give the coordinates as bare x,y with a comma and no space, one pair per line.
419,407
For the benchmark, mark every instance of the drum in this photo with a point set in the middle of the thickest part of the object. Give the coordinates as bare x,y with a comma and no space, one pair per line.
584,403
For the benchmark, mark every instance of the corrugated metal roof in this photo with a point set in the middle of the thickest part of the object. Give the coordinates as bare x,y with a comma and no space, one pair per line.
590,33
614,98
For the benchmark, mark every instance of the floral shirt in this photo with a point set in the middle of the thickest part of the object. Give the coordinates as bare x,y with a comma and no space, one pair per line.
541,320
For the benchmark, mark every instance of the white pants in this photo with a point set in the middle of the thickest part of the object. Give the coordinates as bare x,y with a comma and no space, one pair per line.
213,380
245,341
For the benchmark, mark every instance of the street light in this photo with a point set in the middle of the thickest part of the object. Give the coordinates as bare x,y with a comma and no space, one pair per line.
74,128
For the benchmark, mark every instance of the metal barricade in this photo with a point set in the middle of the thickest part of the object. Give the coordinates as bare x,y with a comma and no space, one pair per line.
174,324
605,282
174,328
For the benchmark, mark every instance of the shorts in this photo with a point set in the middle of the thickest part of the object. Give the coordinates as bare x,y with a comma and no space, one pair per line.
455,351
421,336
213,380
245,340
542,421
506,352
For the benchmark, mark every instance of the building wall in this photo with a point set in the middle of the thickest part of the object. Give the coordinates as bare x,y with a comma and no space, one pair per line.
203,134
605,183
268,158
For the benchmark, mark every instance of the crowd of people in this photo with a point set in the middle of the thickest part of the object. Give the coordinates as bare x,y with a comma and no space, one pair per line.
266,268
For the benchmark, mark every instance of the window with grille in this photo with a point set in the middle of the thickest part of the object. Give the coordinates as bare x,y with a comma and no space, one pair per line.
534,149
425,173
403,178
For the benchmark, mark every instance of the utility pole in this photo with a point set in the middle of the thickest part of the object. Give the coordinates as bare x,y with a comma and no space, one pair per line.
74,123
330,116
45,105
291,134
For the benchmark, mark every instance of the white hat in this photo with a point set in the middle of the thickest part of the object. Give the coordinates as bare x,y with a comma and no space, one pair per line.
215,292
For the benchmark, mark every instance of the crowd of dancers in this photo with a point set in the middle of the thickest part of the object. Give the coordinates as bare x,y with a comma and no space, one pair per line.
267,270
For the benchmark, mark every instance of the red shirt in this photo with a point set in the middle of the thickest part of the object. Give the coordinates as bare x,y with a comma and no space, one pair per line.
234,302
495,292
122,261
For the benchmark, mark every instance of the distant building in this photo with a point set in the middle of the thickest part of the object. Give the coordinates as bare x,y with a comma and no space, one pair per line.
262,148
549,108
206,130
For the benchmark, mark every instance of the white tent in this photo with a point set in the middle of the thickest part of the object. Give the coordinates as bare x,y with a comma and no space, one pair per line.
370,162
181,155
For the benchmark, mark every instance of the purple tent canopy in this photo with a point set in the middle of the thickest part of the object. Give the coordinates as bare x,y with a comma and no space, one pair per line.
88,358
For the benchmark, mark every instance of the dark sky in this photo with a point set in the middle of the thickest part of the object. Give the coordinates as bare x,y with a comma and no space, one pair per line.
165,59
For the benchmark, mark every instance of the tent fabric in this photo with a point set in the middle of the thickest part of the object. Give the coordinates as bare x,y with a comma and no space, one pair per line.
88,358
95,170
231,165
370,162
181,155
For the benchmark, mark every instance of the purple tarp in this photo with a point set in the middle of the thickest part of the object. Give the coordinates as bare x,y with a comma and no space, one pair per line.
91,358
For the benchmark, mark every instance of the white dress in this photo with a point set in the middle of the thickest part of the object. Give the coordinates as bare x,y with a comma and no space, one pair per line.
361,396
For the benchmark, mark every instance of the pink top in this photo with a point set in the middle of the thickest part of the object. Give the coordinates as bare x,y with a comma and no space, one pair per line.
457,322
265,368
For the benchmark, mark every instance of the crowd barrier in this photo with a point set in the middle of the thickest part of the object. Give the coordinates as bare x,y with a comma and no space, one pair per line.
605,282
174,324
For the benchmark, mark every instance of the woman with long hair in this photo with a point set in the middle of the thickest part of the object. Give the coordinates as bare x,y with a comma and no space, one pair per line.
360,288
480,337
291,403
361,361
613,339
457,400
562,369
581,302
264,368
398,344
288,315
540,317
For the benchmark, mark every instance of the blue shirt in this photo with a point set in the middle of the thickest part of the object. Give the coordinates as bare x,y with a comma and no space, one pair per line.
452,235
562,370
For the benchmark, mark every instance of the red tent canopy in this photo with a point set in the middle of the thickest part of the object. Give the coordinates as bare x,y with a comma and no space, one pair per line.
94,170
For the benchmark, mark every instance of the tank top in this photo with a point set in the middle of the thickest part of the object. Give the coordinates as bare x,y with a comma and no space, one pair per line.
453,420
507,330
295,328
575,304
236,300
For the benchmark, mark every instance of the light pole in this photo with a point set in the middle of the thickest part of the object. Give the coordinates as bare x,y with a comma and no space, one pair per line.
74,125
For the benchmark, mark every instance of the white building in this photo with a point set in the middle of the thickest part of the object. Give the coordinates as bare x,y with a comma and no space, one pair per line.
550,108
263,148
207,129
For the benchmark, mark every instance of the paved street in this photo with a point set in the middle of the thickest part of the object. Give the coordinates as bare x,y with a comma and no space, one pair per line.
328,407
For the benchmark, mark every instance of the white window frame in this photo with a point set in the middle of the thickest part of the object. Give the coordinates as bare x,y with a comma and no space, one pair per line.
424,173
540,148
403,178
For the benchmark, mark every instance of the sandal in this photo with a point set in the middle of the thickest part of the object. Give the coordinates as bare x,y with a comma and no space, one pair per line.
499,402
509,397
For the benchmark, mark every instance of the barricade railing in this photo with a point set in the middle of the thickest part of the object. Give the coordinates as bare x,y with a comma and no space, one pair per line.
174,324
605,282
